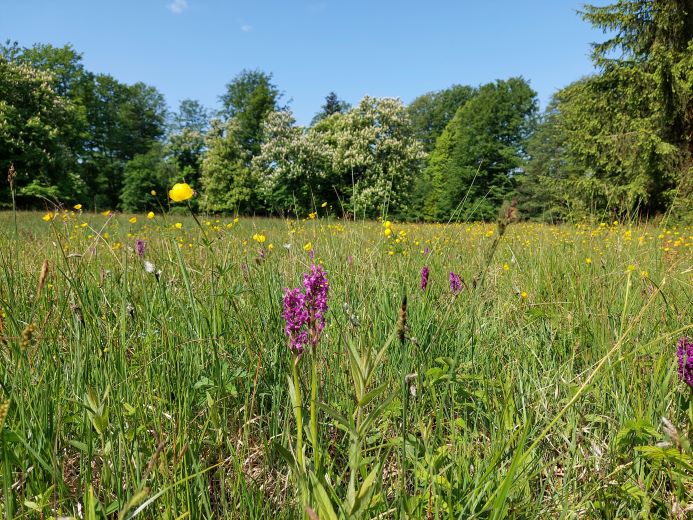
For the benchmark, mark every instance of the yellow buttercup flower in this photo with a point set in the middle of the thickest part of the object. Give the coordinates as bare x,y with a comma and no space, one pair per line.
312,216
387,232
178,225
259,238
308,247
150,215
323,205
132,220
106,213
588,260
524,295
77,206
153,193
181,191
48,216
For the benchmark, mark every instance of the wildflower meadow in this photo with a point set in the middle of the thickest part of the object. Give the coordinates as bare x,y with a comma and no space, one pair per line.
166,365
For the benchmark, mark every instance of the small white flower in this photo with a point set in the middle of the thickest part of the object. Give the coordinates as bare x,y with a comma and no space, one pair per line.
149,267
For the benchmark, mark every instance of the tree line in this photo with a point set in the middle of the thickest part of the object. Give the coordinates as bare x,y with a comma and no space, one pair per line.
619,141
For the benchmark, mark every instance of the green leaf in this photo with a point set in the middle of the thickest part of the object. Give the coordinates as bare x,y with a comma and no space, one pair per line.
371,417
90,503
342,421
324,503
372,395
679,460
79,445
33,506
633,433
286,455
368,482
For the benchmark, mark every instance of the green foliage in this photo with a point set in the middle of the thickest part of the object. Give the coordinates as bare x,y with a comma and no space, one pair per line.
228,184
618,142
599,150
543,192
170,377
623,137
376,156
248,99
293,167
142,174
363,494
35,133
639,27
683,74
471,171
63,63
333,105
191,115
364,160
431,112
106,123
186,139
123,121
226,176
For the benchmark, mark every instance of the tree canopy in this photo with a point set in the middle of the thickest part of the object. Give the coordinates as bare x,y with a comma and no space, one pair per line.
626,132
619,141
473,166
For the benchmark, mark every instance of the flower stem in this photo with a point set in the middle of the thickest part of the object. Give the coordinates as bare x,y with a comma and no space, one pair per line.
299,415
314,411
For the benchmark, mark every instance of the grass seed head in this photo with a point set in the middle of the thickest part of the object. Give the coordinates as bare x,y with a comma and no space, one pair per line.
4,409
11,175
402,322
27,336
42,278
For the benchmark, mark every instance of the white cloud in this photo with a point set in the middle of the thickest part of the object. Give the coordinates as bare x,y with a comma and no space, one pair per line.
246,28
178,6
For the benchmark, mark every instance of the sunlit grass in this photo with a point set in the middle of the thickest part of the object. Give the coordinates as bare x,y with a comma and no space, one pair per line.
160,382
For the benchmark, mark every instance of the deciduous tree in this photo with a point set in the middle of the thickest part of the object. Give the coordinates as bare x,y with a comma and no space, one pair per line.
472,169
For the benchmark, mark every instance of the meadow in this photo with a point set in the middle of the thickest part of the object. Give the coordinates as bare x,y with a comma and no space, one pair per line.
146,373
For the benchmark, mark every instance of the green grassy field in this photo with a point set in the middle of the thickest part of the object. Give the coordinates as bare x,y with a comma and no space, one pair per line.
160,387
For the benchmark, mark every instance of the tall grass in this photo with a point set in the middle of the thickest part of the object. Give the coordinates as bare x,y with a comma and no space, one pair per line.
538,393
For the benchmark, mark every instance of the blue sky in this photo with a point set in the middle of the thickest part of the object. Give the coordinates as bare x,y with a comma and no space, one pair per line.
192,48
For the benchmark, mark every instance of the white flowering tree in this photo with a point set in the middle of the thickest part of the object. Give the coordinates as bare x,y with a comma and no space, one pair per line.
38,132
293,167
366,160
375,155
